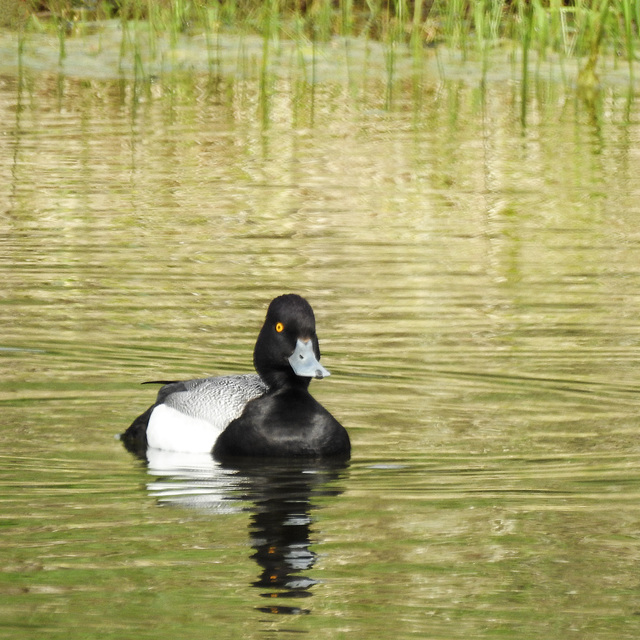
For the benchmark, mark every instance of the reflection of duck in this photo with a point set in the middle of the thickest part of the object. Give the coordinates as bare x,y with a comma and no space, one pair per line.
282,495
271,414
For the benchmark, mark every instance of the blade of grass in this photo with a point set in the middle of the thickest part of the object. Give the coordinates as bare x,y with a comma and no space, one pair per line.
627,13
527,17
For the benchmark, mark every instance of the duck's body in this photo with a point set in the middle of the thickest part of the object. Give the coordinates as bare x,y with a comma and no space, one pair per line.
271,414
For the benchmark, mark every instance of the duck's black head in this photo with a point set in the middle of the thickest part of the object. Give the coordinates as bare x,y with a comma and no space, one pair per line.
287,351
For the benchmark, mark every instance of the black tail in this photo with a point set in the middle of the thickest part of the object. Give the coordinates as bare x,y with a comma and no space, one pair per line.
135,437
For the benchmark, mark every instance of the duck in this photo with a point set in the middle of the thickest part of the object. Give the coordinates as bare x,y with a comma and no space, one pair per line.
267,414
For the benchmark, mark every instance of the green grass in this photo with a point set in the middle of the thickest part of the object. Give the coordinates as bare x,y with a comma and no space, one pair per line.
582,30
559,25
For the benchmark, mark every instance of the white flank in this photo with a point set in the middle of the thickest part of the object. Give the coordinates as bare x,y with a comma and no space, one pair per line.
172,430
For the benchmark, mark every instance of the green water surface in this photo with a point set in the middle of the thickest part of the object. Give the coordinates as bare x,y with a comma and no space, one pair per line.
476,291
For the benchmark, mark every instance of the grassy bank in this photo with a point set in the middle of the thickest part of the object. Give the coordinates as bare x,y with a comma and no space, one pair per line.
564,27
582,30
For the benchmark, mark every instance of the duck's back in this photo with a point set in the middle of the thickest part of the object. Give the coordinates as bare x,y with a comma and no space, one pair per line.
217,400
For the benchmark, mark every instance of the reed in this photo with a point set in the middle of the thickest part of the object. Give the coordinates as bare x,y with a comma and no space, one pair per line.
558,24
583,29
210,17
588,78
527,13
628,16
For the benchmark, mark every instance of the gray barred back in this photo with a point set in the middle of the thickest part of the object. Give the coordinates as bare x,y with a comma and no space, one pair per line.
218,400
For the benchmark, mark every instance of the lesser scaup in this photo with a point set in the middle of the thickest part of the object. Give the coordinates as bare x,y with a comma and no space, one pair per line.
271,414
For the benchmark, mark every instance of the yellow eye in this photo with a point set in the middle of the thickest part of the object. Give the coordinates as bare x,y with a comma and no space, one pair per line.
279,327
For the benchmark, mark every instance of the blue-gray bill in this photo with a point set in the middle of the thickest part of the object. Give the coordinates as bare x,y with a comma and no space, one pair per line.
304,363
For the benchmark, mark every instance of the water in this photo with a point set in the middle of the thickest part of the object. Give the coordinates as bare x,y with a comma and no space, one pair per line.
475,286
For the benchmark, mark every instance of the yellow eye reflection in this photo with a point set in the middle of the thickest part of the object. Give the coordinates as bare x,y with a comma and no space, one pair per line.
279,327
